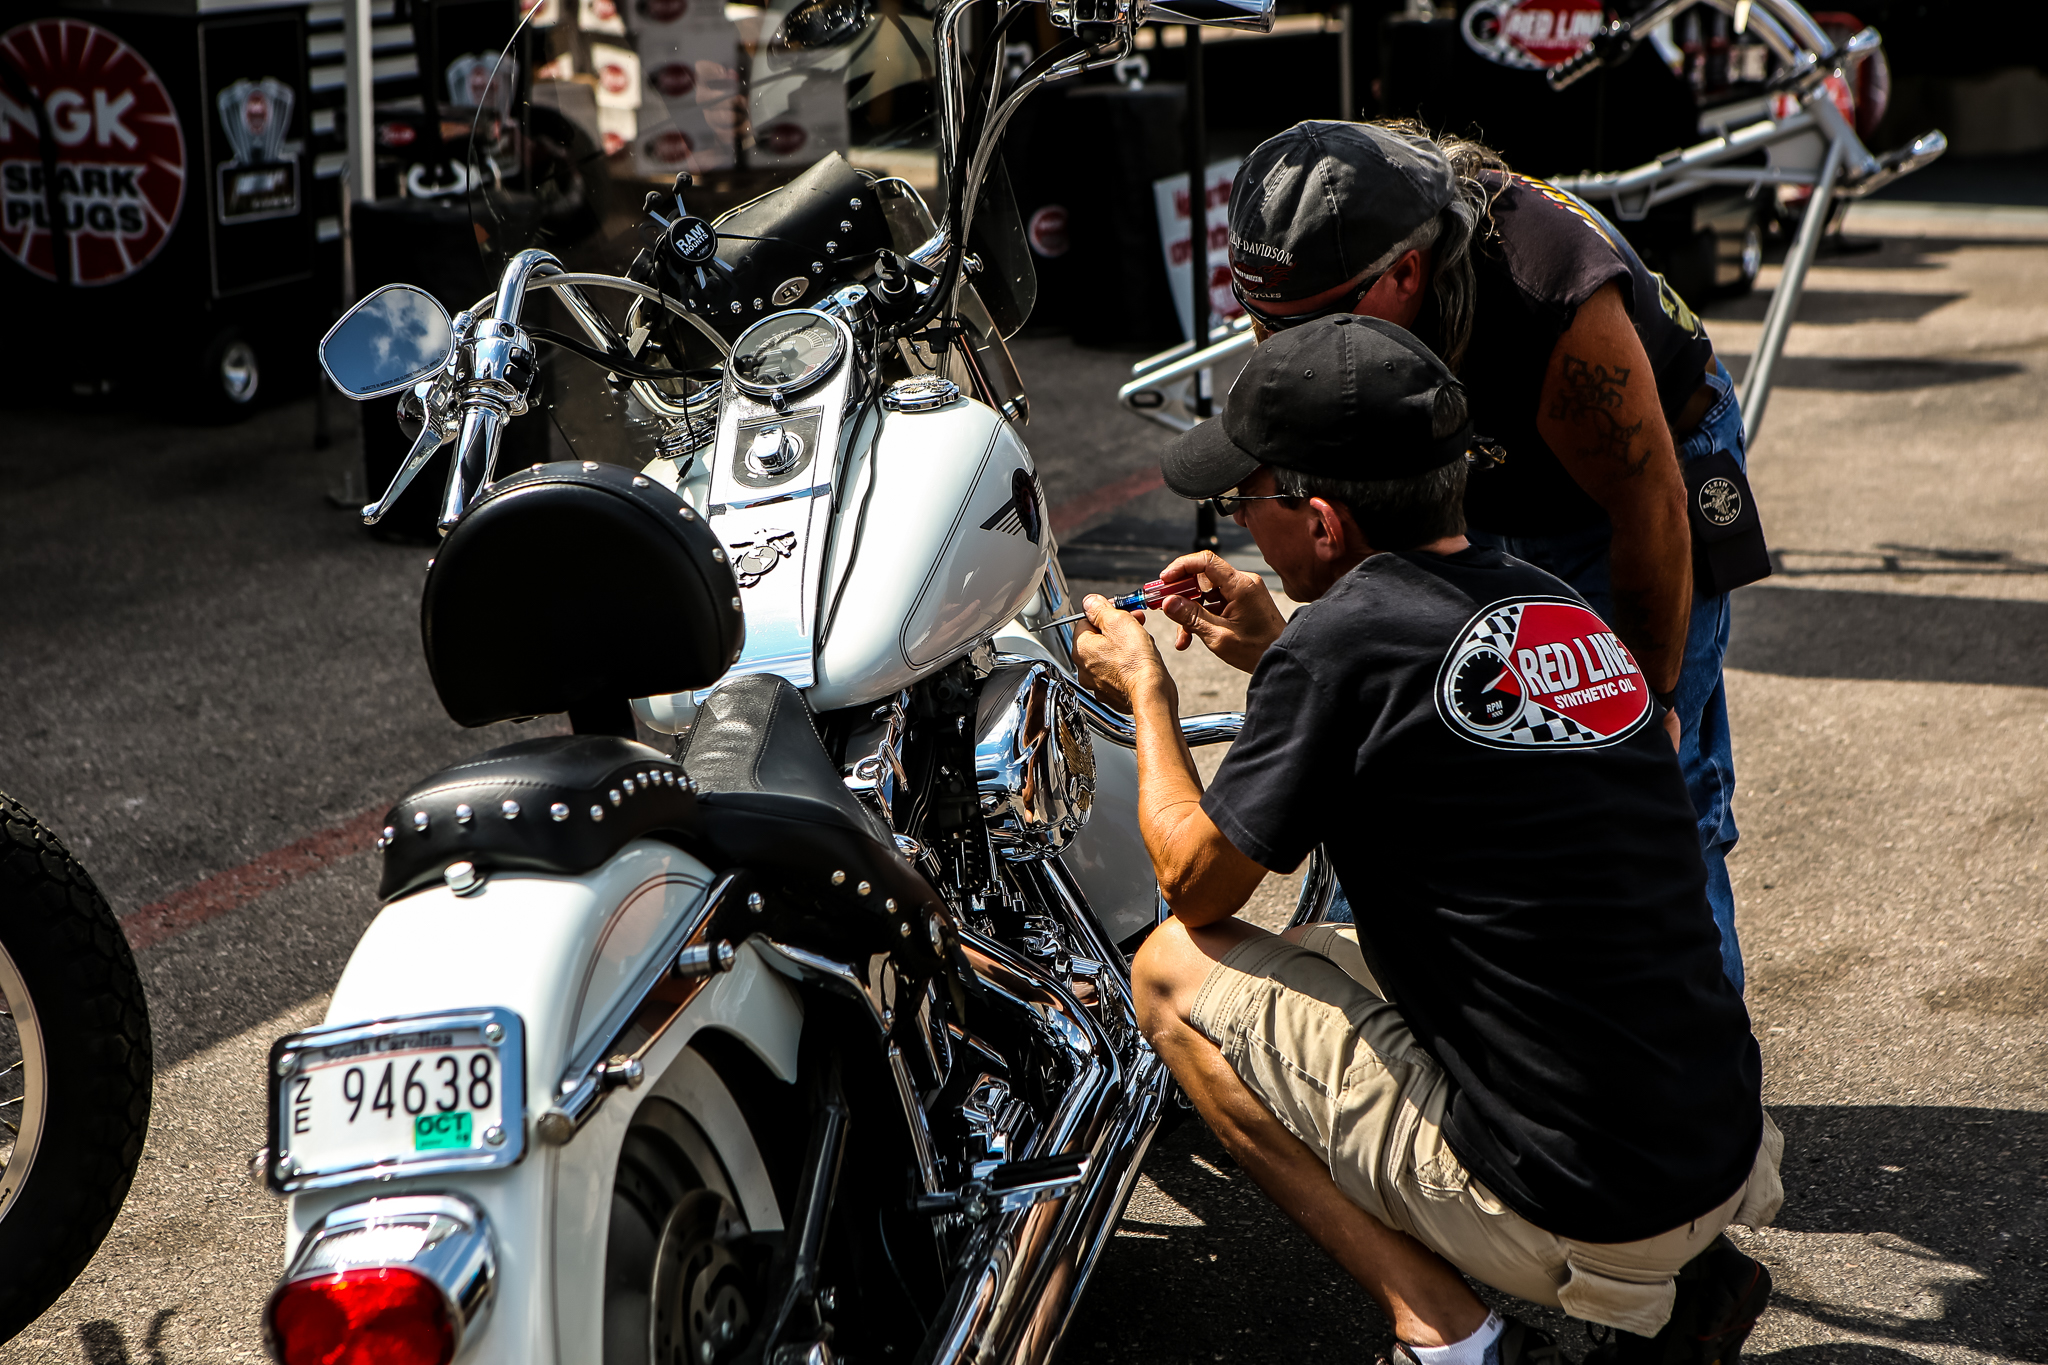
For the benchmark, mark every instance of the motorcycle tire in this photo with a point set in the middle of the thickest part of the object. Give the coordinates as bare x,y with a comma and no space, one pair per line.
75,1049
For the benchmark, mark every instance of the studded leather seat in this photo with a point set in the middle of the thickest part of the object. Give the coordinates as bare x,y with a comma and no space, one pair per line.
563,804
756,789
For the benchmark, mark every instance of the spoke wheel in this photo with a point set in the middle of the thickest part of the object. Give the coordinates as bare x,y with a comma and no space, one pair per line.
74,1068
24,1082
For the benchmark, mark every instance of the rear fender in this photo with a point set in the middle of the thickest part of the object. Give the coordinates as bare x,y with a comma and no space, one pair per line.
558,951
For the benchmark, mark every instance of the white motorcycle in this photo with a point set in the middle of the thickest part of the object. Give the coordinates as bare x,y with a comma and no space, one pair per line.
813,1039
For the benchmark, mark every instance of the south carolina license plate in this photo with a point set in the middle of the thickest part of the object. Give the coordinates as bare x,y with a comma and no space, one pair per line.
419,1095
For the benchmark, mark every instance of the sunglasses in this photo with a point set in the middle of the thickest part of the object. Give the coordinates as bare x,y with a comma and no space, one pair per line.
1272,323
1226,504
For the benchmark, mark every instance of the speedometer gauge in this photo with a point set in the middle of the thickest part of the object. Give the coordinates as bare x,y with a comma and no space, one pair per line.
787,352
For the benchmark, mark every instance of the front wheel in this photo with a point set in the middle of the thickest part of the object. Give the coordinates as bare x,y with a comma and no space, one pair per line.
75,1068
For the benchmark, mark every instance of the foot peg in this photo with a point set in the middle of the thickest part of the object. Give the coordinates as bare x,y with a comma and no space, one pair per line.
1010,1186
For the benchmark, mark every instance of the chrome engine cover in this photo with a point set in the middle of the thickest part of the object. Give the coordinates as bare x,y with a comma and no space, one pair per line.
1034,762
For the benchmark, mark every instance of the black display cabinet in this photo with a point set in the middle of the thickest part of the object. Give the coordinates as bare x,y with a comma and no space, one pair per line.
156,214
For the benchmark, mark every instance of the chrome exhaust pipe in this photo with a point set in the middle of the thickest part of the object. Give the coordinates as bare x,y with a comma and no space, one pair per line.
1026,1268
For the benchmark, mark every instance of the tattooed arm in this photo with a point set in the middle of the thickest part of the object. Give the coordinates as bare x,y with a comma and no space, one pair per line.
1599,413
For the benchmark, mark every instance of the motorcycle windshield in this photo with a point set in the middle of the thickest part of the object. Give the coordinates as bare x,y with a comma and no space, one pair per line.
595,103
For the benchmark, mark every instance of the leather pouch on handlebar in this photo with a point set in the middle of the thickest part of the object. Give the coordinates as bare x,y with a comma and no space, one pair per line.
767,246
1728,547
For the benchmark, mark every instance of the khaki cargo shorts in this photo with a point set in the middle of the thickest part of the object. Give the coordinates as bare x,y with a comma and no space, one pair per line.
1307,1030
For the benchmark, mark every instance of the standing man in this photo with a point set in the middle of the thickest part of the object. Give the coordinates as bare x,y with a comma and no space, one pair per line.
1590,376
1525,1062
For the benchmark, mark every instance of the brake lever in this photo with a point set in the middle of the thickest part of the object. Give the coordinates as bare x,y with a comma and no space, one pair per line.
431,438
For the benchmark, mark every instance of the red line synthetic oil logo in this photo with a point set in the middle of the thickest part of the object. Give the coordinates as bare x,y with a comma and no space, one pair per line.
120,153
1533,35
1535,672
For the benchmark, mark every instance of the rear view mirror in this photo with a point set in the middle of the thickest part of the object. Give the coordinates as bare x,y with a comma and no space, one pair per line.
817,24
391,340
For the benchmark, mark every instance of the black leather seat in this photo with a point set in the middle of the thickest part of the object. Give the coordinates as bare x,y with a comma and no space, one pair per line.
770,798
563,804
760,792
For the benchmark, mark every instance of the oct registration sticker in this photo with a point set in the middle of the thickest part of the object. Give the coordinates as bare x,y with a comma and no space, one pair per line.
420,1095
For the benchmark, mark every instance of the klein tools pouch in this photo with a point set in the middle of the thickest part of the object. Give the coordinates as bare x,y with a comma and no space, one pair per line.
1728,547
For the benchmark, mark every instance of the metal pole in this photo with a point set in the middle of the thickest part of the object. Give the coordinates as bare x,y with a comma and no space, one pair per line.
358,111
1198,254
1756,385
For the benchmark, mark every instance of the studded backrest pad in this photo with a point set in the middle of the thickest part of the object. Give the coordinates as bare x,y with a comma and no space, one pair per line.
571,584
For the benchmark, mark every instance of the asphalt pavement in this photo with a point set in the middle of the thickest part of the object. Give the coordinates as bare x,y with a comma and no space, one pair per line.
210,678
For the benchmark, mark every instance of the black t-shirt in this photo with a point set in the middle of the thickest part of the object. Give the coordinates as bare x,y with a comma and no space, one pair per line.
1477,752
1550,252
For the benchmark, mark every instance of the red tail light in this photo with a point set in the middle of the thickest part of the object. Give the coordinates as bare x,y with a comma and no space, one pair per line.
362,1317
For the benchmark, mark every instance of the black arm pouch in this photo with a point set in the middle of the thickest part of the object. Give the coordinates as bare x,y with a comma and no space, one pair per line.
1727,536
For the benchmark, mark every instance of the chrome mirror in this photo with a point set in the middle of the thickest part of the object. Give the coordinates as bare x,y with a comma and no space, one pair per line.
822,23
391,340
1256,15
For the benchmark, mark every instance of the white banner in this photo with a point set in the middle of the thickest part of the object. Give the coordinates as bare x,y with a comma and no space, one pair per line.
1171,197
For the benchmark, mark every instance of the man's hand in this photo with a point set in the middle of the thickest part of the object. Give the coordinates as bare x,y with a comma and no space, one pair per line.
1117,660
1202,875
1248,623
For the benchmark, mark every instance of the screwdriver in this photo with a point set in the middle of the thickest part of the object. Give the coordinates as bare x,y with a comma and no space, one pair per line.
1151,595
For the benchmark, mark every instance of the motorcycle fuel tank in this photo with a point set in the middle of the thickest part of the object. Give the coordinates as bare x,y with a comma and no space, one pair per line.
946,525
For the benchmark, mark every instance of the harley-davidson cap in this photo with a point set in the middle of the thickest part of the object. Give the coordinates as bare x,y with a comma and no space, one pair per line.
1343,397
1315,206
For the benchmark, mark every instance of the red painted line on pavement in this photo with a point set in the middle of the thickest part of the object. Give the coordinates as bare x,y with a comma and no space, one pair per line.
1107,498
236,887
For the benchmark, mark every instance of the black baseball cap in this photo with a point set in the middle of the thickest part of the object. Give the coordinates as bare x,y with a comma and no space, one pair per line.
1343,397
1316,205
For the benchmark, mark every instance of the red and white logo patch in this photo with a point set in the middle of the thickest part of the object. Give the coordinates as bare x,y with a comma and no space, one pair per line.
1532,672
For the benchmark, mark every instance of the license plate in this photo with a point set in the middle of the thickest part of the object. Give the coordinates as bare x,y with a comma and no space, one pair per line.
420,1095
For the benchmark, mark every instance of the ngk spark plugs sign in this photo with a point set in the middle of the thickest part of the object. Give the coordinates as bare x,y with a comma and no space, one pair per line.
120,154
1531,34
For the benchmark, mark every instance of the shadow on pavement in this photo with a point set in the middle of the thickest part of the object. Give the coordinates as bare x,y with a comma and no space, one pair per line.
1873,374
1824,633
1837,307
1945,1204
1920,1226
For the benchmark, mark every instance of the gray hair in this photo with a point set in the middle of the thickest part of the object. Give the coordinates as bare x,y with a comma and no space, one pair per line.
1467,219
1399,514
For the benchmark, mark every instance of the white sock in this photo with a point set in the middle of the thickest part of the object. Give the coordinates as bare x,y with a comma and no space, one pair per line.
1471,1351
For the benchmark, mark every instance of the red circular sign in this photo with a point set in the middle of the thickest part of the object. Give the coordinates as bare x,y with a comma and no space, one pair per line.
675,80
120,153
783,139
1048,232
671,148
664,11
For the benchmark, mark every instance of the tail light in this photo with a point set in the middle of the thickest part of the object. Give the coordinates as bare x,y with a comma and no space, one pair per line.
390,1317
399,1281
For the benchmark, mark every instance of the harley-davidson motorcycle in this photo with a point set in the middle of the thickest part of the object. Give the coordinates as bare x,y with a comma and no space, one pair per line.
812,1038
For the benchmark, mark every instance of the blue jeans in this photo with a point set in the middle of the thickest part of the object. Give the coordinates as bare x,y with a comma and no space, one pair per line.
1704,756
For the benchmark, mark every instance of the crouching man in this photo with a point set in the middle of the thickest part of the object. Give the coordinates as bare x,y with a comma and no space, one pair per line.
1524,1063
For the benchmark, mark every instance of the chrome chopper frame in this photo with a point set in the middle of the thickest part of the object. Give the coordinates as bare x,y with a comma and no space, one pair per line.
1024,1115
1813,145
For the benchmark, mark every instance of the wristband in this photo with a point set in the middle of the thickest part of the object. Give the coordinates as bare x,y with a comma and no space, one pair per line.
1667,701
